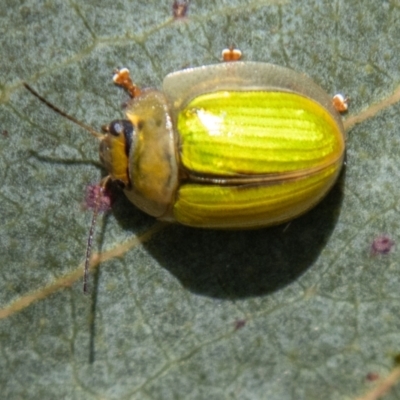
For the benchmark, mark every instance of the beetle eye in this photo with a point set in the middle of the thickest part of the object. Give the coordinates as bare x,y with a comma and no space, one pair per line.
120,127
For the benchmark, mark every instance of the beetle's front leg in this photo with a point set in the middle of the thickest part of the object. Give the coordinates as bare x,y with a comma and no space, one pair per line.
123,78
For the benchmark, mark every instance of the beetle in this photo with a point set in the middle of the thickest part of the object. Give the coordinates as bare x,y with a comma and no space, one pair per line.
234,145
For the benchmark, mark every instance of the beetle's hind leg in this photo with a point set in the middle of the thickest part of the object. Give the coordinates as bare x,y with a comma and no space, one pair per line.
340,102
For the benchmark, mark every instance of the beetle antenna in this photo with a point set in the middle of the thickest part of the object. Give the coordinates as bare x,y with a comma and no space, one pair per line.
89,246
96,134
100,204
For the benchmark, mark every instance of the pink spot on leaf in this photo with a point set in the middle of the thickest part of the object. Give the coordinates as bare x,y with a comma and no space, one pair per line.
382,245
98,197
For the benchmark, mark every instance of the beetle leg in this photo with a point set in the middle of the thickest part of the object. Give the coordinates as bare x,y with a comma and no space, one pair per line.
123,78
340,102
231,54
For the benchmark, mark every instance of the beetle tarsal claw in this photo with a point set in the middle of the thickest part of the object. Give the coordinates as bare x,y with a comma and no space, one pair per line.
123,78
340,102
231,54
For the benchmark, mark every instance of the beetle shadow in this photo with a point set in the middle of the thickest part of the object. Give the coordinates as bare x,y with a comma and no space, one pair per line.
239,264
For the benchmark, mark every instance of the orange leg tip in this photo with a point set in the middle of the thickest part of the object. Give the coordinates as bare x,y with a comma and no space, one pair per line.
123,78
121,75
231,54
340,102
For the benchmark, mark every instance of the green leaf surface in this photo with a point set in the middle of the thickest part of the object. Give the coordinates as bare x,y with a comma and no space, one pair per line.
302,311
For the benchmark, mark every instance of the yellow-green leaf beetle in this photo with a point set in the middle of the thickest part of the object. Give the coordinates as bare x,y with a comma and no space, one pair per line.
232,145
